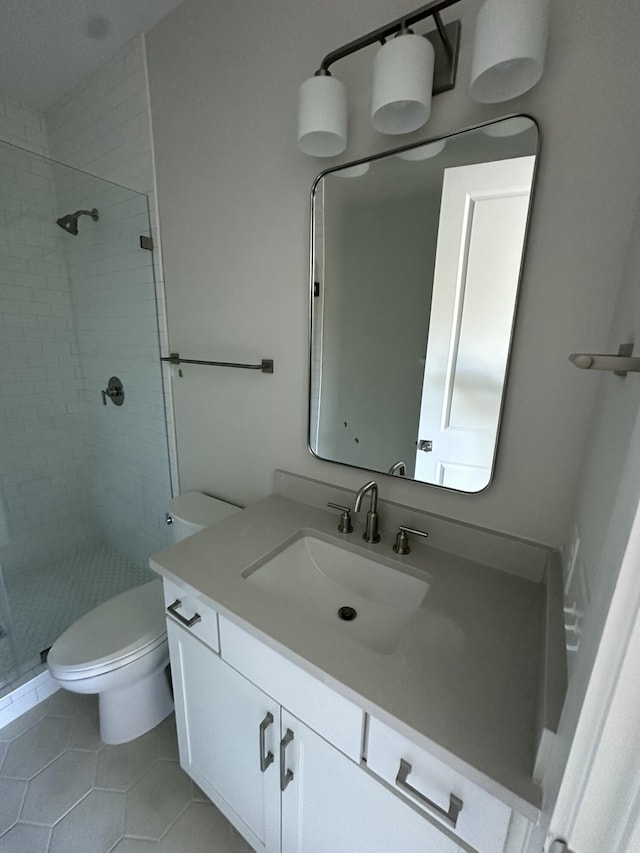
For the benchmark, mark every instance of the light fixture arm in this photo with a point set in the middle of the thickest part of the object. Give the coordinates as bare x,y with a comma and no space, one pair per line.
444,36
429,10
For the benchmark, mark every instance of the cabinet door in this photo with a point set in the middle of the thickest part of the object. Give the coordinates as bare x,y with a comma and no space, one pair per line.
330,803
226,726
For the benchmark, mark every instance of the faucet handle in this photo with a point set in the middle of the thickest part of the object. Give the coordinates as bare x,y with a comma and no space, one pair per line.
402,540
344,525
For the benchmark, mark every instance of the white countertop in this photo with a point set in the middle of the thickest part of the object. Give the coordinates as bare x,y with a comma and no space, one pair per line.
462,682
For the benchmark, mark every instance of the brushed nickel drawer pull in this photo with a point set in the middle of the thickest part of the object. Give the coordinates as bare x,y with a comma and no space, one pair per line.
265,760
173,610
285,775
455,804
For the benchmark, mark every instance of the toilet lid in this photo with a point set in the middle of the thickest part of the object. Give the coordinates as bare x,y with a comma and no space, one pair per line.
132,622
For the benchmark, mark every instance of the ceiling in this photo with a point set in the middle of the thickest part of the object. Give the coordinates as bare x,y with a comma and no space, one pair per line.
47,47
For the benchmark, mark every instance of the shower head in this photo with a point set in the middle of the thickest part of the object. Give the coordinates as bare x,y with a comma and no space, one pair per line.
70,222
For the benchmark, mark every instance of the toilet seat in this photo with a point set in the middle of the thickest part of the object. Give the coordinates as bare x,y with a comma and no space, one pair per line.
111,635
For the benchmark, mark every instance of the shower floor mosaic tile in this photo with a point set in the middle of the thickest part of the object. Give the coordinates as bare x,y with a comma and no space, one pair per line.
44,602
63,791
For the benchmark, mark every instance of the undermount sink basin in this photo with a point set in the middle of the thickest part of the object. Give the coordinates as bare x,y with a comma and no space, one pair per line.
370,600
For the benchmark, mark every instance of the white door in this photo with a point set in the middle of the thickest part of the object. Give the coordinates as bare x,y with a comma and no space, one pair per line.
592,786
483,218
331,804
597,756
220,716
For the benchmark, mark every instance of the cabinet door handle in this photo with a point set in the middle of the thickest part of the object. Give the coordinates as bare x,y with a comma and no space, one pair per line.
173,610
285,775
265,760
455,804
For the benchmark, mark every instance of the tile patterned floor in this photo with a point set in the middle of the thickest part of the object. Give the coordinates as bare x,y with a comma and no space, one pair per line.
46,601
63,791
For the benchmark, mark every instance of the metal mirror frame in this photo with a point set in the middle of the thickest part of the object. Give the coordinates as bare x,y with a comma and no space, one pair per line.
312,246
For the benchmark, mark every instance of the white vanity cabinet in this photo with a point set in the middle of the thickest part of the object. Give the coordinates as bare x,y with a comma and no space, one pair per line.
221,719
482,820
332,805
284,756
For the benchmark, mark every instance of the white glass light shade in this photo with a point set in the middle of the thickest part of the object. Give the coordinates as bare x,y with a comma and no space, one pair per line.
510,45
352,171
322,116
423,152
508,127
402,84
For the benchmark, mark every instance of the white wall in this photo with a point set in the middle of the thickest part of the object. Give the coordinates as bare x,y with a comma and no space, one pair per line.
233,194
102,126
599,536
608,452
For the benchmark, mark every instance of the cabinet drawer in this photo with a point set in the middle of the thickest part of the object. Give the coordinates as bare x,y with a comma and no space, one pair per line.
323,710
482,821
206,627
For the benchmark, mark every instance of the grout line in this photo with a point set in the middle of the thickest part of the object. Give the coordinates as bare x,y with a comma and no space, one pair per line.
170,827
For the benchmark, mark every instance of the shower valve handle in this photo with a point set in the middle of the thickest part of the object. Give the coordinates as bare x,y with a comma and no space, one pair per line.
114,391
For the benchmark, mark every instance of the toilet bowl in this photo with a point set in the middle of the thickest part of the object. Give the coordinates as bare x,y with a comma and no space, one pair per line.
119,650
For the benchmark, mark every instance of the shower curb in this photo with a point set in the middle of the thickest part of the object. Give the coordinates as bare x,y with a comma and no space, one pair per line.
36,687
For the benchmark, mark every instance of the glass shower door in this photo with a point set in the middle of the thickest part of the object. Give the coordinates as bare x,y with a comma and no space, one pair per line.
84,482
8,653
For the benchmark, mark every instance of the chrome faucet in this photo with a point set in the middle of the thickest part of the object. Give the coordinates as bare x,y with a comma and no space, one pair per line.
371,528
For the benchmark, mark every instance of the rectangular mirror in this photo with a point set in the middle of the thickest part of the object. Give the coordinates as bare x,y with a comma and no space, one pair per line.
416,260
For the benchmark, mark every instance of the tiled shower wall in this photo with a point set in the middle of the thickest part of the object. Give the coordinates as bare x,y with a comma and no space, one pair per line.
78,447
22,126
114,307
103,127
43,448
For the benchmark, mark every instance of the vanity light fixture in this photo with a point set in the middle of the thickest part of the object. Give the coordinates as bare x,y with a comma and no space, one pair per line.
510,45
402,84
322,115
409,69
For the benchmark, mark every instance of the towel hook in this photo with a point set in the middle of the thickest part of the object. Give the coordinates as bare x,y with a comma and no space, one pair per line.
620,364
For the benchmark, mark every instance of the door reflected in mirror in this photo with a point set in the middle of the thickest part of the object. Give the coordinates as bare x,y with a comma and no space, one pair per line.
416,261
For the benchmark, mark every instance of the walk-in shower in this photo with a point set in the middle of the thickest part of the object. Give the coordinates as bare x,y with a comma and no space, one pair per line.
83,486
69,222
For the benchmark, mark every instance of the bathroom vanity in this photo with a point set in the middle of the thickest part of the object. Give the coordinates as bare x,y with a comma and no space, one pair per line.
312,733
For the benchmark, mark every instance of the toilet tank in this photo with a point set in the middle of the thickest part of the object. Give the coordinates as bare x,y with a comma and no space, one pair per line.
193,511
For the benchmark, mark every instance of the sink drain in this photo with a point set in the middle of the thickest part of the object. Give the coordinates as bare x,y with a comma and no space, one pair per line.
347,613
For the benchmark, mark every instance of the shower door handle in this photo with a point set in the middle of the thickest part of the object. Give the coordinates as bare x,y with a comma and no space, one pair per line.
115,391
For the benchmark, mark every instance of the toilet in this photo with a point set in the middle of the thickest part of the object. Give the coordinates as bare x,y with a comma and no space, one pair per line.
119,649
